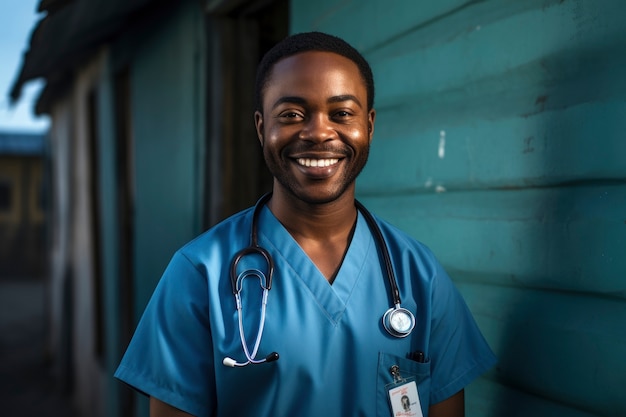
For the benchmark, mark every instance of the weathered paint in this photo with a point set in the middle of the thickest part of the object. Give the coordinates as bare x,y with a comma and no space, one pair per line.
499,143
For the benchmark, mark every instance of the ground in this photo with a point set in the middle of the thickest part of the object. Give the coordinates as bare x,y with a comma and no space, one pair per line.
28,386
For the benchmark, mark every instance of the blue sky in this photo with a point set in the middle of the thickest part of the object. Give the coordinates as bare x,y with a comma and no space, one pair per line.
17,20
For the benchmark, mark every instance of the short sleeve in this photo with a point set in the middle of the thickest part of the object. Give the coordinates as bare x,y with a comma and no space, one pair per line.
170,355
458,350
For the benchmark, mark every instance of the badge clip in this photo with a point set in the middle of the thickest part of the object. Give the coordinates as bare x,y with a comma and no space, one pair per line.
404,399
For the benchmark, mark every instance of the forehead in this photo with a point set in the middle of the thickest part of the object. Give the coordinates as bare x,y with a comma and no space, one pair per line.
316,69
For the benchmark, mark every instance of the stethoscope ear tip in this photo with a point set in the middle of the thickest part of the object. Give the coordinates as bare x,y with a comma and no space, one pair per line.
230,362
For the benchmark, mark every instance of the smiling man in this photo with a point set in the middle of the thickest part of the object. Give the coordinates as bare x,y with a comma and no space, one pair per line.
345,315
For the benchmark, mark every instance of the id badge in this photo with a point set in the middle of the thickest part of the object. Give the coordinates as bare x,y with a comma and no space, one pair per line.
404,399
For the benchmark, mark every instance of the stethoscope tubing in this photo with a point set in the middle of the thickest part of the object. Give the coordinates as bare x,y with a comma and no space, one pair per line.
251,357
384,250
266,284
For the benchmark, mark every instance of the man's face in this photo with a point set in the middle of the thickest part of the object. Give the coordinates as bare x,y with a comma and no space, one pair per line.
315,128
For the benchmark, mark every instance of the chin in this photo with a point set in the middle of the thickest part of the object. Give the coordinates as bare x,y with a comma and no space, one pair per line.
315,197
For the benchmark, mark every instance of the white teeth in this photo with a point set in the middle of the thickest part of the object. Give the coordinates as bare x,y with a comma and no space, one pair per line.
317,162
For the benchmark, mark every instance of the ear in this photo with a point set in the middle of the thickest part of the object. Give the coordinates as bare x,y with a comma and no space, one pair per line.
371,116
258,123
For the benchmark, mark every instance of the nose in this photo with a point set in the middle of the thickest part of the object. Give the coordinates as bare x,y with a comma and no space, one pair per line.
317,128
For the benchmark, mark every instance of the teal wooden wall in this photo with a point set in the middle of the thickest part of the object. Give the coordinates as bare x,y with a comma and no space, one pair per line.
167,116
500,143
167,78
167,113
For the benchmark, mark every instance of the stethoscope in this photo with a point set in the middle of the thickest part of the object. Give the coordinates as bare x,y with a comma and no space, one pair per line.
398,321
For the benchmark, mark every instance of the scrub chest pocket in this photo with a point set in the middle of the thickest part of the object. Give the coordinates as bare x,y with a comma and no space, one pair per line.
406,369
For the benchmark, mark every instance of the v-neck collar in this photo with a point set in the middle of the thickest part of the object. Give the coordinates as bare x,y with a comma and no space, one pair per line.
291,262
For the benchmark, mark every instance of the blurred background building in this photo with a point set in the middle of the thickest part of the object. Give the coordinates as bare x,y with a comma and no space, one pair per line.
22,193
499,143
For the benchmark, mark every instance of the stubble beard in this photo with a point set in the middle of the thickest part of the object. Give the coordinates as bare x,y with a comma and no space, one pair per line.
280,170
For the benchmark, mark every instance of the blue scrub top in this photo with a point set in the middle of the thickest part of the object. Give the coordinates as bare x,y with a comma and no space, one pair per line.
335,355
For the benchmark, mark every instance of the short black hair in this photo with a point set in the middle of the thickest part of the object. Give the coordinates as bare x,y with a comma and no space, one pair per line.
311,41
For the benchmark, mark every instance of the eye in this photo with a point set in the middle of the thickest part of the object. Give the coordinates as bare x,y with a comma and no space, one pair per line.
342,114
290,116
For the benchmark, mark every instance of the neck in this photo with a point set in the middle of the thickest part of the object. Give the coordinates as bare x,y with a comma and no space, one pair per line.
321,222
322,230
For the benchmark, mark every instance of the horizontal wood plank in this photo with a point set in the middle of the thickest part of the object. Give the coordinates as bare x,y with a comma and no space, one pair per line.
566,347
563,239
581,142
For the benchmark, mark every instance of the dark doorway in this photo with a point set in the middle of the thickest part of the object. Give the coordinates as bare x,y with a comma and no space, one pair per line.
237,39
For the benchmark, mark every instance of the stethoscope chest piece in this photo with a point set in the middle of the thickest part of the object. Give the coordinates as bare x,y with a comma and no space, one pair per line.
398,321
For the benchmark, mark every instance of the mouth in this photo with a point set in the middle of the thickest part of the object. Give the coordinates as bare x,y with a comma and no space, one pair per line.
322,163
318,168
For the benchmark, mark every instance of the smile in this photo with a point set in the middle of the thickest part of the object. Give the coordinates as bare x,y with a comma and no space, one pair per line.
307,162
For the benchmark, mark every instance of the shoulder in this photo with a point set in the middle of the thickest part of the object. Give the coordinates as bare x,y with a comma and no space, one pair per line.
408,253
221,239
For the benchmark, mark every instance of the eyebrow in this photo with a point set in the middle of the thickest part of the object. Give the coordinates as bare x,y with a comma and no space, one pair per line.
344,97
333,99
288,99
